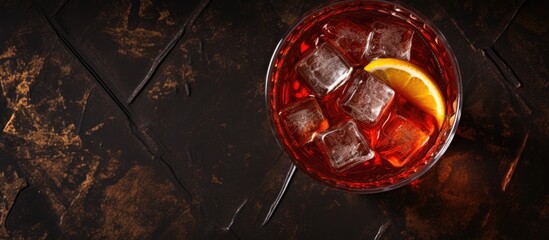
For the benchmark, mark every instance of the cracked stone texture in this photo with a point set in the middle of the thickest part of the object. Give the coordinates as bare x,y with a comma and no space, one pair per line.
12,184
146,120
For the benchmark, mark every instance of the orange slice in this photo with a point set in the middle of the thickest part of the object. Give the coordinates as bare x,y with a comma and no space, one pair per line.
411,82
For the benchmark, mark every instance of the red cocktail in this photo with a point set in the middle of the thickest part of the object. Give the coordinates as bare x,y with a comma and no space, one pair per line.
365,129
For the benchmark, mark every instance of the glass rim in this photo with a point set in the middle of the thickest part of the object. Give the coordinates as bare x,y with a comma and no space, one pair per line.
442,147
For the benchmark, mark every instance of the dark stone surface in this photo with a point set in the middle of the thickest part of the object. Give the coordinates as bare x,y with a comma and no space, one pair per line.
146,120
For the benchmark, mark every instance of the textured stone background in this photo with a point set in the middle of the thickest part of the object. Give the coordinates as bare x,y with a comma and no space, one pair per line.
145,120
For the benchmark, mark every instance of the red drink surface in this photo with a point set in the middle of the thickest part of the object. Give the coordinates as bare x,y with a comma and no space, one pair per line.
403,139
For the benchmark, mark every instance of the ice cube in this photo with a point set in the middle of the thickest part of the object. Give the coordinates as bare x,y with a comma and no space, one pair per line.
346,147
400,140
303,120
324,69
367,99
348,38
389,40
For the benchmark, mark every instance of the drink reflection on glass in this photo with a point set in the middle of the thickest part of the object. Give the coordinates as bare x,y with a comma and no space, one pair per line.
364,95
